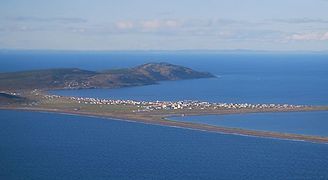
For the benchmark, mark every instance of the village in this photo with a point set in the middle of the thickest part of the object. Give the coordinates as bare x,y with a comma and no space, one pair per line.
175,105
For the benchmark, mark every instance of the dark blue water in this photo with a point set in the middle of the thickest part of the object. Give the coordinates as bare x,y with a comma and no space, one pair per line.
252,78
51,146
308,123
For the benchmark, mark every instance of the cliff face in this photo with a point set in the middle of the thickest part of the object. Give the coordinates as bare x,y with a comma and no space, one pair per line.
74,78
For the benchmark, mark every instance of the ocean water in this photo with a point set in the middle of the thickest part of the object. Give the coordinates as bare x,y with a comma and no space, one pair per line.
51,146
250,78
307,123
54,146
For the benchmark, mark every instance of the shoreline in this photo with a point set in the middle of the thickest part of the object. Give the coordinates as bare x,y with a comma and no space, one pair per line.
163,120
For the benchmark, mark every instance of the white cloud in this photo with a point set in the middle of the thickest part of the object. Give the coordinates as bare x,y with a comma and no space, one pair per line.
325,36
47,19
302,20
219,29
172,23
304,37
314,36
124,25
154,25
159,24
151,24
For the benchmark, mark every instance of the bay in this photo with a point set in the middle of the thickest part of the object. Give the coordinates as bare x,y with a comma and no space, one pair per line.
306,123
52,146
241,78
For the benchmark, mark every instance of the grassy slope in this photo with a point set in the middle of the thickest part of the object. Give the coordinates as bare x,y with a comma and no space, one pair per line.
49,79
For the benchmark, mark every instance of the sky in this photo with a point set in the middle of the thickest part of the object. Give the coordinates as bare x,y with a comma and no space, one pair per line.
274,25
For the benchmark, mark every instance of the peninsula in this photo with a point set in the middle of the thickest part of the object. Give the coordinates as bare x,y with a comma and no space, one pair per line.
74,78
28,90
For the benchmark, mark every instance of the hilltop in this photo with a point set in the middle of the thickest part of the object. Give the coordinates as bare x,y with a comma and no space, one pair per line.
74,78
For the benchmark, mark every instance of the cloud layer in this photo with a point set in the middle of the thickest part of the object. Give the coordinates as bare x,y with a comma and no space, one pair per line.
173,30
314,36
47,20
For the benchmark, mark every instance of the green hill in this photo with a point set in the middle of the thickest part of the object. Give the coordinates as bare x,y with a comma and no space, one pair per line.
73,78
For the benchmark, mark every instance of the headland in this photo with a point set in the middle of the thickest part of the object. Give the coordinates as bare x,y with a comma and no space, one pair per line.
29,91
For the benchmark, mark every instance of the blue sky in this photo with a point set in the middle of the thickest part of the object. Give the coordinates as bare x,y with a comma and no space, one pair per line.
164,25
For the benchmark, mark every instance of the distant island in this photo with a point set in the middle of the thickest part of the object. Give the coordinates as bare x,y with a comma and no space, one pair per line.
74,78
28,90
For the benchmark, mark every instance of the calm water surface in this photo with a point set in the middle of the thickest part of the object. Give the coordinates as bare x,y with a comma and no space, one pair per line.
308,123
52,146
257,78
251,78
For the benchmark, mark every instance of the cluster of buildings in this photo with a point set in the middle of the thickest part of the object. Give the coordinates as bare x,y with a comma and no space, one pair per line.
86,100
75,84
176,105
168,105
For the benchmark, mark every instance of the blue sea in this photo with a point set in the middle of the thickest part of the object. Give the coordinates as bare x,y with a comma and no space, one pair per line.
51,146
251,78
306,123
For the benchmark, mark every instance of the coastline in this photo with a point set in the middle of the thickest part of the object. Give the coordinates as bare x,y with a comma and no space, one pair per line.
163,120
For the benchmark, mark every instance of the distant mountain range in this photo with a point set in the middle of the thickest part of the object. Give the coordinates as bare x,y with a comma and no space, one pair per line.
73,78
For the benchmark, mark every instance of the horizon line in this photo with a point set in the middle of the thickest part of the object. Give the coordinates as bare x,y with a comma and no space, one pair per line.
167,50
